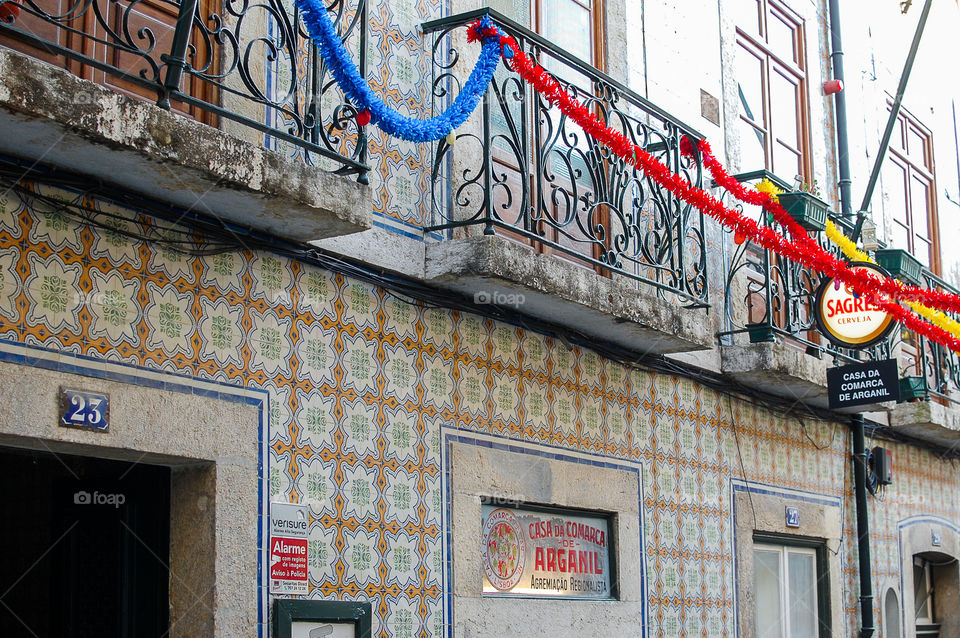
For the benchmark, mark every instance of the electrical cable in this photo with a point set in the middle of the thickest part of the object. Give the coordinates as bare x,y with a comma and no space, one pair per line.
224,236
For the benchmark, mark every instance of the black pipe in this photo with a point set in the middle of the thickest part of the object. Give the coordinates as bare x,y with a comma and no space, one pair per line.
895,109
840,104
863,526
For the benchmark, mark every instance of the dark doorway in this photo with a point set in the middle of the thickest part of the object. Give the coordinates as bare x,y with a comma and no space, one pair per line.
84,546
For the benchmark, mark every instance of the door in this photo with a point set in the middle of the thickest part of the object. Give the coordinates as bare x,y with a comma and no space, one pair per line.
86,546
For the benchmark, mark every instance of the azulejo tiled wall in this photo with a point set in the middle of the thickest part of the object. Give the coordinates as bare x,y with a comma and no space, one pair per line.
361,383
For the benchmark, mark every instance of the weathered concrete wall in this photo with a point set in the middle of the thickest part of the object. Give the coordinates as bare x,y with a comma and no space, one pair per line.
94,131
212,447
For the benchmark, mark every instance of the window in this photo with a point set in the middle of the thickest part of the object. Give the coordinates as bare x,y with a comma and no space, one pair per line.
923,600
574,23
545,173
891,614
785,591
771,86
910,191
106,32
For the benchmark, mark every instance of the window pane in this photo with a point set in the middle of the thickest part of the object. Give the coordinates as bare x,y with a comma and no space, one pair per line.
891,615
746,15
766,589
949,242
917,147
919,204
898,139
786,163
750,81
895,192
899,236
784,106
781,35
568,24
921,250
516,10
921,592
752,141
802,593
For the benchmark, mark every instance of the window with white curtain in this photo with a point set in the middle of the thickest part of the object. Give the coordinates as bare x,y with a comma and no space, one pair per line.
785,591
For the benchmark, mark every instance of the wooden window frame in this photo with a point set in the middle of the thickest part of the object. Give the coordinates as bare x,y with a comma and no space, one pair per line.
758,45
785,546
899,154
598,61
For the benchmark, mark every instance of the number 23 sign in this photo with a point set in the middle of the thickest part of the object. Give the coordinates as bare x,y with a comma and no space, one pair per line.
85,410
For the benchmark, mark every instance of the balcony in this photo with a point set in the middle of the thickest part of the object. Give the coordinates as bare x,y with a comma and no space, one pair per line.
770,340
526,206
929,385
228,110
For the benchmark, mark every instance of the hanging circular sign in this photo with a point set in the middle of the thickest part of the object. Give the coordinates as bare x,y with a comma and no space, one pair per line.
847,319
504,549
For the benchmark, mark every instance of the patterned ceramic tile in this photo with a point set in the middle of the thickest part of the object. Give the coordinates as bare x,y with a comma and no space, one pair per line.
361,384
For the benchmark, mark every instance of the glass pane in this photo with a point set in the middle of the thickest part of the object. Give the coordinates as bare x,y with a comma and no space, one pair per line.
786,163
921,593
746,15
949,242
917,147
899,236
919,205
750,84
784,106
782,37
891,615
516,10
766,589
921,250
752,142
568,24
898,139
802,594
895,192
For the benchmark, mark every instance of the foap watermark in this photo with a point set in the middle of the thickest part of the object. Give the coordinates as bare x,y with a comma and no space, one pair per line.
84,497
495,298
501,499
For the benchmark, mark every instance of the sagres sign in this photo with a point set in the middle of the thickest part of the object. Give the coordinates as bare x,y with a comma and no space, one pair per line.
847,319
551,553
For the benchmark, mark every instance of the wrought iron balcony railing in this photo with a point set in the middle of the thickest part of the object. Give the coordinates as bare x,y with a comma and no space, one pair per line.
226,62
522,169
769,298
927,368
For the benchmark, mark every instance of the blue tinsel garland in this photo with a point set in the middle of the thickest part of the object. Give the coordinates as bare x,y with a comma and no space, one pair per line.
358,91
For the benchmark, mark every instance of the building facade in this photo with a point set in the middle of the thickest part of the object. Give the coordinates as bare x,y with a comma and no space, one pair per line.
282,307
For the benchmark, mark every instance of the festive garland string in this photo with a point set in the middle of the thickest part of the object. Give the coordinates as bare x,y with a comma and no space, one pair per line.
821,260
849,248
853,253
802,250
764,236
364,99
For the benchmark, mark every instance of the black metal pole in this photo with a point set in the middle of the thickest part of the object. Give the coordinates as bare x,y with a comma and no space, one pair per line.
840,104
895,109
176,61
863,526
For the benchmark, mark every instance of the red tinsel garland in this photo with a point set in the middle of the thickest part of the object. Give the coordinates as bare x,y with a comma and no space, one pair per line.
764,236
830,265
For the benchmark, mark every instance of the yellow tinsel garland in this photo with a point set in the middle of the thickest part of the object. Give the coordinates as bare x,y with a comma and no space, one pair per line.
853,253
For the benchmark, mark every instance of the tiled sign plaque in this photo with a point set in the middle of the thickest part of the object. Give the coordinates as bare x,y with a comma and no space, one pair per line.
545,553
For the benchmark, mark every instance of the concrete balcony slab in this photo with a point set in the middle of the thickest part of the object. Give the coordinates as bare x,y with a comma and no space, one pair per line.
494,269
784,371
929,421
54,118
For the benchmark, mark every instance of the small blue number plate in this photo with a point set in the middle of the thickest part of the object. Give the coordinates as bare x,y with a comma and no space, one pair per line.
793,517
85,410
